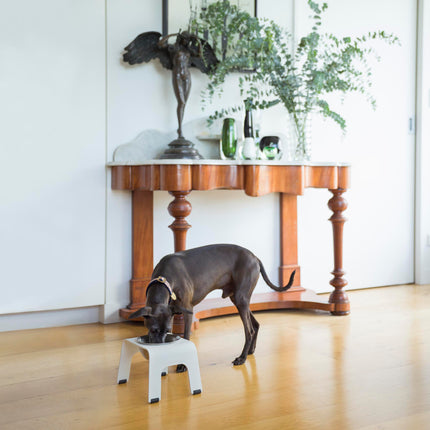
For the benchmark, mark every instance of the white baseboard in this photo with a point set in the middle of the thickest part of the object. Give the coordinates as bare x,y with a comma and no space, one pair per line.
109,313
62,317
422,277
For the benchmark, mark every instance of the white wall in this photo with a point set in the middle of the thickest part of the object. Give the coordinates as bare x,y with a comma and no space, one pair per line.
375,140
130,91
53,216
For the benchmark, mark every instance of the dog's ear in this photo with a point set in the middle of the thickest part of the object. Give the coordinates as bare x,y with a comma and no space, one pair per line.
142,312
176,309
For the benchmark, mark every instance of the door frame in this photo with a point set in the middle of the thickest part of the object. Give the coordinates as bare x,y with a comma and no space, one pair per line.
422,172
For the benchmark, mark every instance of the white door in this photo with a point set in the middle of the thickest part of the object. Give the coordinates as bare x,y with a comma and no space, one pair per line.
379,233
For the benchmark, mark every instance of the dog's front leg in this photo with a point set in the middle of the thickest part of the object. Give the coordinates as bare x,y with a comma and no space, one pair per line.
188,321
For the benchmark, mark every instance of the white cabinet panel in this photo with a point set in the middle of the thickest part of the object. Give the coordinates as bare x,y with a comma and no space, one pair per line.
52,134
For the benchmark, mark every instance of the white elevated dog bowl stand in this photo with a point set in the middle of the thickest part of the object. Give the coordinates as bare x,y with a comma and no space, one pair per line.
160,356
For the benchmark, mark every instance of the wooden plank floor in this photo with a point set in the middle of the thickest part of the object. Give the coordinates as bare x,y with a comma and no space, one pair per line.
370,370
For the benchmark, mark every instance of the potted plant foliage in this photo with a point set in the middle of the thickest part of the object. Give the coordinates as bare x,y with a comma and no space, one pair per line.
298,75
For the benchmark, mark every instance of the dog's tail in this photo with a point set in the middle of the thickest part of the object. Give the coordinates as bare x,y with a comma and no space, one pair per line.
274,287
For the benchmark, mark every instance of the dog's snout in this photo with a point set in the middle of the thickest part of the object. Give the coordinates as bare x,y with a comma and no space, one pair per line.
157,337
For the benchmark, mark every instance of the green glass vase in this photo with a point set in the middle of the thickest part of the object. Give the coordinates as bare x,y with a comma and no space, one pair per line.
228,143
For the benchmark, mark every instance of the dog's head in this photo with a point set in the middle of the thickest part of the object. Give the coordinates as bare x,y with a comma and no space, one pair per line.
158,320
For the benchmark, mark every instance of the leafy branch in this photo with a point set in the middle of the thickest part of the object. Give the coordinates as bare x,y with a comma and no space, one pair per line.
300,77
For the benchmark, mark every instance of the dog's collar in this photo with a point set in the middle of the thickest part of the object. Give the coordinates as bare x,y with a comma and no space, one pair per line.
165,282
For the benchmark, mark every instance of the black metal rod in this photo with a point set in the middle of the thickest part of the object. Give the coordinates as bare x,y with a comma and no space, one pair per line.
165,11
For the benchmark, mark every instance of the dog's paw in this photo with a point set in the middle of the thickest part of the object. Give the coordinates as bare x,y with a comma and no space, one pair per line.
181,368
238,361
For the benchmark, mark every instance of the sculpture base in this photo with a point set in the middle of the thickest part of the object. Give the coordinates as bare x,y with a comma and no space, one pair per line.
181,148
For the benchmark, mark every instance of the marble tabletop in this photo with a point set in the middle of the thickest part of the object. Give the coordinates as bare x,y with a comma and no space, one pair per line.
227,163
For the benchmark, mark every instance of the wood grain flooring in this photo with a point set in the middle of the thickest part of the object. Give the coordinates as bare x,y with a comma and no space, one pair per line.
369,371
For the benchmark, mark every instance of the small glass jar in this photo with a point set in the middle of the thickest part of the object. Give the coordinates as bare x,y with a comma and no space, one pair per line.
270,147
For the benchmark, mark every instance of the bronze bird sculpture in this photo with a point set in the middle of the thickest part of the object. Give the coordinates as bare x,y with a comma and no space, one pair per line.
187,51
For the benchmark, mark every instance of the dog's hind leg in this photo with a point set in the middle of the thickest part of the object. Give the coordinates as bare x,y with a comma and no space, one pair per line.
242,305
255,326
244,280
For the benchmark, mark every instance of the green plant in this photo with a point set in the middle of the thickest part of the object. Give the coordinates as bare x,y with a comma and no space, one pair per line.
242,43
298,76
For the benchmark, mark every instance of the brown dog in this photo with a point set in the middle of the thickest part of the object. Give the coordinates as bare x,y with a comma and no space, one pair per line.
183,279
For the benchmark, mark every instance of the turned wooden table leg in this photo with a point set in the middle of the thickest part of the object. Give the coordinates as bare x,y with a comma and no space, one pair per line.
338,297
179,208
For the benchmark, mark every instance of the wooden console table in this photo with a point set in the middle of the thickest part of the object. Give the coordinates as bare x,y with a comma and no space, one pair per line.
256,178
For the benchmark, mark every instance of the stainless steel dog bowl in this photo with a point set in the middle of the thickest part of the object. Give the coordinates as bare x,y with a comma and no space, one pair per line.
169,338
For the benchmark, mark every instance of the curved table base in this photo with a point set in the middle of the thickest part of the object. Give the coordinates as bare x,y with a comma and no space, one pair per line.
215,307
